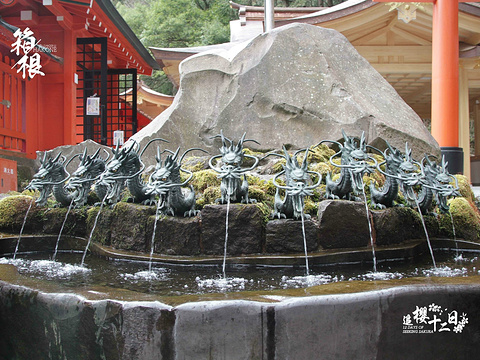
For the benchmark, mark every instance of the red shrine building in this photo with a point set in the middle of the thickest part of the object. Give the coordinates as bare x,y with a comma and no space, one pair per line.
65,69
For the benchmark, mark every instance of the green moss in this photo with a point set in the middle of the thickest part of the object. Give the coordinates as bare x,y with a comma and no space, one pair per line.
278,166
209,195
13,210
266,211
203,179
257,193
322,168
465,218
311,206
194,163
254,180
321,153
465,189
269,188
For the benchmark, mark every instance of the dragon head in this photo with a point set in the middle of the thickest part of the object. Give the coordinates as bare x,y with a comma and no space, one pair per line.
88,171
51,172
232,157
166,174
124,165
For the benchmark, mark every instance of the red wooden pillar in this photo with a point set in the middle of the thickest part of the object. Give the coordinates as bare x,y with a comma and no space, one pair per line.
445,73
445,80
69,46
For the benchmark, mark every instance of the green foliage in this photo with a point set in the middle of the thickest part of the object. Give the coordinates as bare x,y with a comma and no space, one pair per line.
159,82
178,23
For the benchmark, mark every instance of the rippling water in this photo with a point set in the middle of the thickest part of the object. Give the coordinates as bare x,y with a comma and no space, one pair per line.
176,279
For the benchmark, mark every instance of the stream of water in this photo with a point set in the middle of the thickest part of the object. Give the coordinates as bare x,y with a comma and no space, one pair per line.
226,238
307,268
61,230
454,232
152,248
23,226
372,243
426,234
93,229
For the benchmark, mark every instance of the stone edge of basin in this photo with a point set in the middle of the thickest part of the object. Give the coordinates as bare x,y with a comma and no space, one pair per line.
364,325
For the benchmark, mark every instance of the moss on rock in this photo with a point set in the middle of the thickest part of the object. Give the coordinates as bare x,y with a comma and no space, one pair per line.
465,218
203,179
465,189
12,213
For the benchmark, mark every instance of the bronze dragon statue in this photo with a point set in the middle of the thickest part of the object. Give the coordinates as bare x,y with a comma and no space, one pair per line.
125,169
166,183
82,179
436,184
53,177
233,189
297,177
50,177
401,171
353,165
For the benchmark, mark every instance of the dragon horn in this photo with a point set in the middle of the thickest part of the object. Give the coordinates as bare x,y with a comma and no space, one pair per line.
116,151
44,158
444,164
174,157
158,157
392,150
305,163
56,158
224,144
96,153
108,155
240,143
83,157
287,157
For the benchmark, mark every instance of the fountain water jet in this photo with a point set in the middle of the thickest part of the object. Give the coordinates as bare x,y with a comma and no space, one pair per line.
372,243
93,229
305,244
426,234
153,235
61,229
21,230
226,238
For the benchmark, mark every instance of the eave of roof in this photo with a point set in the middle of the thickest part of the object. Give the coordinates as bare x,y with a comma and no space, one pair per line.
335,12
107,7
183,53
353,6
308,10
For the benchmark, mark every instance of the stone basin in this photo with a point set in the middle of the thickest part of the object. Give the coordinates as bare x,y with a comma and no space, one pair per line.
341,320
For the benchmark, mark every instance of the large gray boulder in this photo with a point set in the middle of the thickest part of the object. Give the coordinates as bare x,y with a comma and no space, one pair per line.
298,84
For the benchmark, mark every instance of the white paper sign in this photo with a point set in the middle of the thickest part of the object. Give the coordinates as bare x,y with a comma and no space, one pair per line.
118,137
93,105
